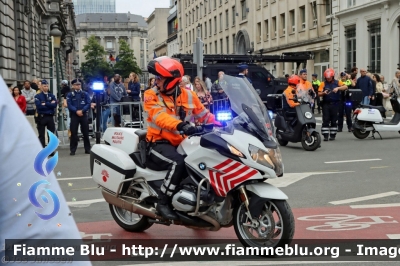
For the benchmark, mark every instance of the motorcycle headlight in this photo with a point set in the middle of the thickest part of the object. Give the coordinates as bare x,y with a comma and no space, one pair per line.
270,158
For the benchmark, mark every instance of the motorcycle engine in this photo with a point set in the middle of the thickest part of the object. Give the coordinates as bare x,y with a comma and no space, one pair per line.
186,199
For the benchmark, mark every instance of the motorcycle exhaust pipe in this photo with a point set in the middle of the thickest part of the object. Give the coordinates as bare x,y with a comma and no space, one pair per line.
130,206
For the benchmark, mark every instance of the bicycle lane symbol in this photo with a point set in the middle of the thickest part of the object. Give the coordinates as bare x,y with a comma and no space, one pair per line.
342,222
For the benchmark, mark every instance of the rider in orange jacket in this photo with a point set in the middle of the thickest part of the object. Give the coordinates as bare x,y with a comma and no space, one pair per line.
170,109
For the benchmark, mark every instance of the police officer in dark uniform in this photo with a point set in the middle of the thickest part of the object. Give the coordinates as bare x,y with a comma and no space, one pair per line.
243,72
330,90
46,103
315,84
78,105
345,103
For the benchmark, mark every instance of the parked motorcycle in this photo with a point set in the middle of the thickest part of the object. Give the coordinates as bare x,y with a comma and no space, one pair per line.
299,126
368,118
227,168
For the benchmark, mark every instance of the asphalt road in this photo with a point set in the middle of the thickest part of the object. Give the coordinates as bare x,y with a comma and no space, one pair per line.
325,181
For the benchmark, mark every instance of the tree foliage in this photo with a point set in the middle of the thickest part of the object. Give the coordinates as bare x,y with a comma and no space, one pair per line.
96,66
127,61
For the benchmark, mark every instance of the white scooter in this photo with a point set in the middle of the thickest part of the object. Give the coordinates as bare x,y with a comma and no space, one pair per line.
367,118
227,169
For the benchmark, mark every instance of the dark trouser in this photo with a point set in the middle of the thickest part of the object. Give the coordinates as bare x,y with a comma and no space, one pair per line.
317,101
75,122
166,157
343,108
30,112
43,122
329,118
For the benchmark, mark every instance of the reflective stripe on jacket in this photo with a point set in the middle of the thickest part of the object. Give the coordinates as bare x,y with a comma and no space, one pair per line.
163,118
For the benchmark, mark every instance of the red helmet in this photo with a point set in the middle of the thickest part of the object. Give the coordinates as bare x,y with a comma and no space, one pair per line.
329,73
294,80
168,68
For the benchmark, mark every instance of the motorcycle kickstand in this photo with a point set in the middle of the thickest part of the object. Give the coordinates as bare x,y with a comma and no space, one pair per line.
373,134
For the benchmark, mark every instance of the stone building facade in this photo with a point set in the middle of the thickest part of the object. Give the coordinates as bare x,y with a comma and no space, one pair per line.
25,40
108,29
366,34
259,26
172,41
158,32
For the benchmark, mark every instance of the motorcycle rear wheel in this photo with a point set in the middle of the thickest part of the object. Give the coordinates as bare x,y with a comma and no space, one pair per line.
313,144
129,221
276,225
281,141
360,134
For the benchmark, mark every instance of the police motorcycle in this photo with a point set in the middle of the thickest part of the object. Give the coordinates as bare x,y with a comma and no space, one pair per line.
301,126
368,118
227,167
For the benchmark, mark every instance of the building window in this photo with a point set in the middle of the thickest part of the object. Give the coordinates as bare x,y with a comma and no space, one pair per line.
220,2
141,44
350,34
266,30
314,13
274,27
186,20
210,29
190,18
216,44
283,24
303,17
227,45
351,3
194,36
210,48
327,4
233,16
205,29
209,9
193,16
205,9
226,18
374,28
187,39
233,42
215,25
220,22
205,48
244,9
258,35
109,45
221,44
292,20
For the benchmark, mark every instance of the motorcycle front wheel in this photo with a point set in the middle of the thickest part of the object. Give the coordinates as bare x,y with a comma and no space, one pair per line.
274,228
312,143
360,134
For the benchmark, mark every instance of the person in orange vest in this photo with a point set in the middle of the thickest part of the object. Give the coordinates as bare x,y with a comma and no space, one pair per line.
170,109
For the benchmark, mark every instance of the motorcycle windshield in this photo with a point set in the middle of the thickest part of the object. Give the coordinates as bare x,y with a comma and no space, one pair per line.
249,110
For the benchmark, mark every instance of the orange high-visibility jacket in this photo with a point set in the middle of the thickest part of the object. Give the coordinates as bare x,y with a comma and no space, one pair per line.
289,96
163,118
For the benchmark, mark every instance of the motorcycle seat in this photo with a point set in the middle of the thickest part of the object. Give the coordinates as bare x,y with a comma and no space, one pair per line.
141,134
379,108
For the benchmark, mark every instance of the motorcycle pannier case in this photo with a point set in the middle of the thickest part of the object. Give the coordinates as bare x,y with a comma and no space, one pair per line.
274,102
109,166
356,95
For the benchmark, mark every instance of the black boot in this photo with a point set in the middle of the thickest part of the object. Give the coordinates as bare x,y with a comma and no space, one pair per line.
326,137
332,137
164,209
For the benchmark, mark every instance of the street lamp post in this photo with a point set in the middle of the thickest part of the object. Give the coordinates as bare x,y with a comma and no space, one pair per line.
56,34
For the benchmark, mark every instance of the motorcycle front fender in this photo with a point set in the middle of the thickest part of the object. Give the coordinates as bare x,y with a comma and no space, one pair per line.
266,191
311,130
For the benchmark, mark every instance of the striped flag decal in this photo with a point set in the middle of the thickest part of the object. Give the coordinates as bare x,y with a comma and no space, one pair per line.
233,174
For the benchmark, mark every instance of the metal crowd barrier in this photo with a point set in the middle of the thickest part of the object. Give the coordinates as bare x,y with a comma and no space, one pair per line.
132,120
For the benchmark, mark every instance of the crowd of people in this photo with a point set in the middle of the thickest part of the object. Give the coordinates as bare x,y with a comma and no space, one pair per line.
334,97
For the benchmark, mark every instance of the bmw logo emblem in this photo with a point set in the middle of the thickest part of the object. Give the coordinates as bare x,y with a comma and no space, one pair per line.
202,166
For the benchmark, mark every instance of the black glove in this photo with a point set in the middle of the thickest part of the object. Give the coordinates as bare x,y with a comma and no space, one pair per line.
188,129
311,93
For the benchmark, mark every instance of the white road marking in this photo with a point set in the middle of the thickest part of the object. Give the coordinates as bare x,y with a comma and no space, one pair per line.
369,206
353,161
74,178
291,178
376,196
84,203
393,236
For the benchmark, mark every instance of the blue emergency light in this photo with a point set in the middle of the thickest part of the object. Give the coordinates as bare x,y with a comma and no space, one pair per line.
223,116
98,86
271,114
348,103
